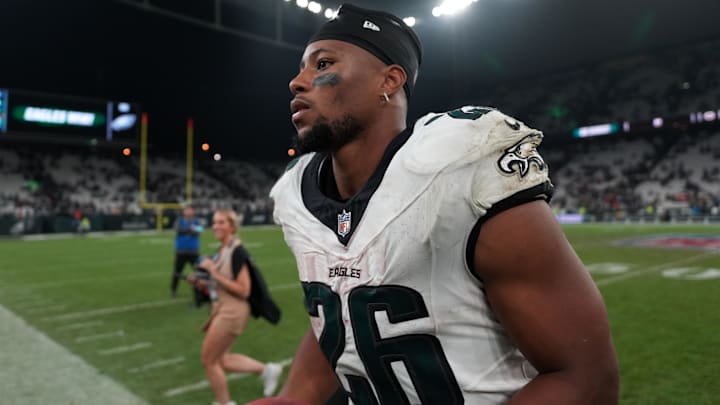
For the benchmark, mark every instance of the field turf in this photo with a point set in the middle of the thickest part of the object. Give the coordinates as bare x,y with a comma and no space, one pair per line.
106,299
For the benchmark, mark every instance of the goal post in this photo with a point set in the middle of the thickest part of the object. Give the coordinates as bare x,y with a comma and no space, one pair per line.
159,207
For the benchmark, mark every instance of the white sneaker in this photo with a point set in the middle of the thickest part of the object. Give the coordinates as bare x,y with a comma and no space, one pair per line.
271,377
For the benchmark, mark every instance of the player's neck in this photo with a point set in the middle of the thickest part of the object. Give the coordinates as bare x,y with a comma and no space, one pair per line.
355,163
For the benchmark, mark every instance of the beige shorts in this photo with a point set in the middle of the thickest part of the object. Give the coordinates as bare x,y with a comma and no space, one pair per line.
230,317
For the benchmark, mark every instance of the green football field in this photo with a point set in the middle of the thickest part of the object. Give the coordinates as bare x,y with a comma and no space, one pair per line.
105,300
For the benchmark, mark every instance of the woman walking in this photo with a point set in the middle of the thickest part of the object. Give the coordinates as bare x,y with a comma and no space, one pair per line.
230,277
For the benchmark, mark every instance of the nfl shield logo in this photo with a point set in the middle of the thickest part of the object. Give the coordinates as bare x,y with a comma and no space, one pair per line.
344,223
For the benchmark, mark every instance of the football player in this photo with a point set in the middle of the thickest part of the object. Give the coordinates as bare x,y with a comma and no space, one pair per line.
434,271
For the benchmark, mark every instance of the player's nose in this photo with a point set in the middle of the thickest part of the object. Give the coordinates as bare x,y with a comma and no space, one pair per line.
299,83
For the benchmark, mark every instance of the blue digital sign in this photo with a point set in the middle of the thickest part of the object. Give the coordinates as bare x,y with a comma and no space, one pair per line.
40,115
3,110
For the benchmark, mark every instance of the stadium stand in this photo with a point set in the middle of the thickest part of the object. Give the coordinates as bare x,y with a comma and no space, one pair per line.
672,174
679,80
42,182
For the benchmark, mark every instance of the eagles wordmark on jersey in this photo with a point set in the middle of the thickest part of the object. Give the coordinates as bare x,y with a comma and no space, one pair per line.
396,309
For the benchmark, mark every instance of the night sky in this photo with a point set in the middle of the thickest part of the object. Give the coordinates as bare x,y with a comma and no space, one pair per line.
236,88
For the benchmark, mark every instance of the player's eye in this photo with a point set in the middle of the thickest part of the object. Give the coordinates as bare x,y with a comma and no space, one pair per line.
323,64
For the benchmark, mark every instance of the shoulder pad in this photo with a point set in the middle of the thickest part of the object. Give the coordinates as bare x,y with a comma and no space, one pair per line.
462,136
292,175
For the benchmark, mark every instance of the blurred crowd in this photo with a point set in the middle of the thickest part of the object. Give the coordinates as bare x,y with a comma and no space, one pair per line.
50,181
654,174
669,83
650,177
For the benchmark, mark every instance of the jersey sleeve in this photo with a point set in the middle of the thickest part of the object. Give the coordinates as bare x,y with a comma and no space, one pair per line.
509,170
494,154
240,256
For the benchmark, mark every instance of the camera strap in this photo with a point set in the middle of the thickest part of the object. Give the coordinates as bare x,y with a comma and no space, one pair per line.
226,253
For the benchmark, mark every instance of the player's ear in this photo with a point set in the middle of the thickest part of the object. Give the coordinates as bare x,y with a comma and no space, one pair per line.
395,78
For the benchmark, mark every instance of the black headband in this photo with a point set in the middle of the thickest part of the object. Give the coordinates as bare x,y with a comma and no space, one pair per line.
382,34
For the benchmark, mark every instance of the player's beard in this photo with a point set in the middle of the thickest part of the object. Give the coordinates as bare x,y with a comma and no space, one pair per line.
329,136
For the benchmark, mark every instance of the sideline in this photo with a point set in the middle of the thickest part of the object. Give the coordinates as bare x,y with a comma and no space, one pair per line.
63,378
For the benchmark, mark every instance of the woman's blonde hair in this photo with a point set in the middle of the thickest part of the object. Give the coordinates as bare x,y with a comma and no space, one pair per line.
231,216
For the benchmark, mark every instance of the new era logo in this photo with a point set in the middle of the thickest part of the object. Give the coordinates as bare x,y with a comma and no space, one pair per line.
370,26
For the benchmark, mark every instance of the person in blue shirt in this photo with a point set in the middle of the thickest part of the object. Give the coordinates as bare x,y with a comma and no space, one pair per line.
187,249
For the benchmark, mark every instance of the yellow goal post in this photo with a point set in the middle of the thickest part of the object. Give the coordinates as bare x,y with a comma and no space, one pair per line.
159,207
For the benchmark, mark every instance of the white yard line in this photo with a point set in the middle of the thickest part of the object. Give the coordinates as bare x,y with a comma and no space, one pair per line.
201,385
88,338
30,299
96,279
156,241
158,364
204,383
32,304
281,287
49,308
125,349
91,235
653,269
112,310
39,371
138,306
62,265
80,325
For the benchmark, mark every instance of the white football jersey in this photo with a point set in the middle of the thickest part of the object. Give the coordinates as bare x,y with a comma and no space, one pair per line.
398,313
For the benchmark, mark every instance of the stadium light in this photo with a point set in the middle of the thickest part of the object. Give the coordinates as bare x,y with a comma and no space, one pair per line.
329,13
302,3
410,21
449,7
315,7
217,157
